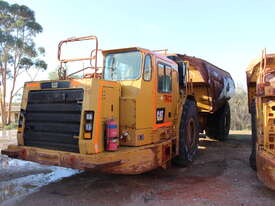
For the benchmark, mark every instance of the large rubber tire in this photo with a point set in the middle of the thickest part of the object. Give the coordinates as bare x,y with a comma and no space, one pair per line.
252,158
188,134
218,124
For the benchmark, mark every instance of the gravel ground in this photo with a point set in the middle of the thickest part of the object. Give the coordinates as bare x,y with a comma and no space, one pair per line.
220,175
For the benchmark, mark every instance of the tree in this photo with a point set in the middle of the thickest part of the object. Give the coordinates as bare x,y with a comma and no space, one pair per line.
18,52
240,117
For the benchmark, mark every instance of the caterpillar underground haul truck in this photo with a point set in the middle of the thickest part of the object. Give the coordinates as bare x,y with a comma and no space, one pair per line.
261,102
140,112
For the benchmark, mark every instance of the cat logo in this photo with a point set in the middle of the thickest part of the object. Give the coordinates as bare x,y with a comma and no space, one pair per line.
160,115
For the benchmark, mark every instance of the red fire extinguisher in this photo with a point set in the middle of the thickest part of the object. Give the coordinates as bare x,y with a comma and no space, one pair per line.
111,138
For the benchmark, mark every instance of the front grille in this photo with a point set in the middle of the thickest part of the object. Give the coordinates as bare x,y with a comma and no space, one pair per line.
52,119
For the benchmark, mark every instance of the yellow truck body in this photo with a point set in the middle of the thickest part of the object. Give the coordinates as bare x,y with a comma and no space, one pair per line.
261,102
158,120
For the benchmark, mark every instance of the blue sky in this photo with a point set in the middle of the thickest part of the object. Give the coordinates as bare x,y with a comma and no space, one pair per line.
228,34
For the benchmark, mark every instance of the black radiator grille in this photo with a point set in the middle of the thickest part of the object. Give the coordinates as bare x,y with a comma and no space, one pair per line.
53,119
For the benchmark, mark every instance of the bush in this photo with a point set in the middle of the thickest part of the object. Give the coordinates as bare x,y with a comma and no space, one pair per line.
240,117
12,125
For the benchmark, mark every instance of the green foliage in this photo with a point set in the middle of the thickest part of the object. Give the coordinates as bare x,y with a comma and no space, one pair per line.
40,64
12,125
18,52
240,117
18,27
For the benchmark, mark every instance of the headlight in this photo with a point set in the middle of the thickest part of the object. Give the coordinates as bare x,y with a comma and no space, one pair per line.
89,116
88,123
88,127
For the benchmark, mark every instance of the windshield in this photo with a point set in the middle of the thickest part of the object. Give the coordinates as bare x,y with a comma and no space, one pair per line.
122,66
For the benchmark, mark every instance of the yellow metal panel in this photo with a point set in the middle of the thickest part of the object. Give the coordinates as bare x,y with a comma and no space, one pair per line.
128,112
104,96
144,106
203,98
266,168
195,75
269,126
137,137
110,103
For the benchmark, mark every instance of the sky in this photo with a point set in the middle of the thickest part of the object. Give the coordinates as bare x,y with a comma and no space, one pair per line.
228,34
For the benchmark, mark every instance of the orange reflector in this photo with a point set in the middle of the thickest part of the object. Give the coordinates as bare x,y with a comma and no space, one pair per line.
32,85
87,135
75,83
19,129
165,124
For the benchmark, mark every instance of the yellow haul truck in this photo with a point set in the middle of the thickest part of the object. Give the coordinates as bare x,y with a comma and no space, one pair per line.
147,108
261,102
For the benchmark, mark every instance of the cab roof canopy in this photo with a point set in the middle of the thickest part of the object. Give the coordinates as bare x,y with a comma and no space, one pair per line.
129,49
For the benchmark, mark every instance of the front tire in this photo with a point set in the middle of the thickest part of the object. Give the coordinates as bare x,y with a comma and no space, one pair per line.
188,134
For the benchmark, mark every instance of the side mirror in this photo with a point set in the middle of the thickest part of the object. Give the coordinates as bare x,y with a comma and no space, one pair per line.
182,73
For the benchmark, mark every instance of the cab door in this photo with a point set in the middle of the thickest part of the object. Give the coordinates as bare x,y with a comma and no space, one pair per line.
164,95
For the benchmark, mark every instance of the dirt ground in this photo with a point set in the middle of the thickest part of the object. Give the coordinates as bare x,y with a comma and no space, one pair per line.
219,176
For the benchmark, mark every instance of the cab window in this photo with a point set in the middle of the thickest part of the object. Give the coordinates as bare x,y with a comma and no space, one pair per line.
164,78
122,66
147,73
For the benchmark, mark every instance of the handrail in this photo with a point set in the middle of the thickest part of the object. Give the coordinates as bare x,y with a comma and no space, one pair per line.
263,65
91,57
161,50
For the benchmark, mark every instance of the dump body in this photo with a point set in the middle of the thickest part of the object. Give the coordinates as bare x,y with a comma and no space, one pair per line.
63,122
212,86
261,103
